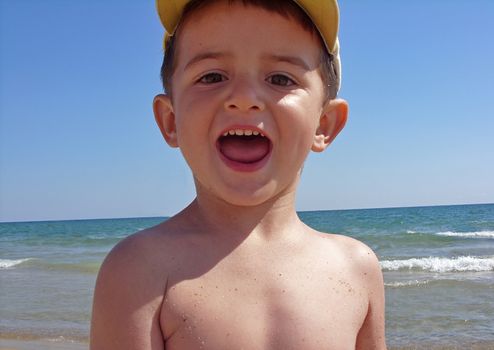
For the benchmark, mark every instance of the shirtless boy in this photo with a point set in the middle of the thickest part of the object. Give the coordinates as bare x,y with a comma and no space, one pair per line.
251,90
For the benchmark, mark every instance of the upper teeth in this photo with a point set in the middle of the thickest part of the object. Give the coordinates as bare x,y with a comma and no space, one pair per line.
240,132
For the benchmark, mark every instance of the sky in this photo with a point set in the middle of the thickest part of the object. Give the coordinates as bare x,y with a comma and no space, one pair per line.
78,138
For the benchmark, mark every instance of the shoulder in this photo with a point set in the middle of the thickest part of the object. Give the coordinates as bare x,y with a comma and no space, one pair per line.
350,247
136,262
365,270
134,251
129,291
359,258
140,256
362,255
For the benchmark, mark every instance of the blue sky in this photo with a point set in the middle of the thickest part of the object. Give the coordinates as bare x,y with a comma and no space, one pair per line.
78,138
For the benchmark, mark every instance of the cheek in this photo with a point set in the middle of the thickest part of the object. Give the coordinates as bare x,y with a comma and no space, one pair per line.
193,136
191,118
300,117
297,126
188,134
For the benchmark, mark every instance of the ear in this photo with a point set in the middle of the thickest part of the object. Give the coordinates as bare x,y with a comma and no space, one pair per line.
333,118
165,118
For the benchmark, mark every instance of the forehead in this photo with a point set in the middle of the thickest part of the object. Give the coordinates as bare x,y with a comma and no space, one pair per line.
233,25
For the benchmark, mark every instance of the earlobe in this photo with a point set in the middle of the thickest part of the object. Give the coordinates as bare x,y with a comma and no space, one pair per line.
331,122
165,118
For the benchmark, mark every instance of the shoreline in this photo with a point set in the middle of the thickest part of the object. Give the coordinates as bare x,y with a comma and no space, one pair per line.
41,344
61,344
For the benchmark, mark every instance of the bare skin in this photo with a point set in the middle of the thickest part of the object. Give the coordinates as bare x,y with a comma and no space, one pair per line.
237,269
187,284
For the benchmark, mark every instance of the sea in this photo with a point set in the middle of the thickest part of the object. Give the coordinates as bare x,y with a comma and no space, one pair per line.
438,266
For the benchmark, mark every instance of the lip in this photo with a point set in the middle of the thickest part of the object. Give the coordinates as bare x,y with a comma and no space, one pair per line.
244,167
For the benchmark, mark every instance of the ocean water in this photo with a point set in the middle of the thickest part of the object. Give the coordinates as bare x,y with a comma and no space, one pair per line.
438,265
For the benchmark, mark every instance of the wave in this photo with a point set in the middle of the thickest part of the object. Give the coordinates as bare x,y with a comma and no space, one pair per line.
113,236
8,263
406,284
91,267
475,234
435,264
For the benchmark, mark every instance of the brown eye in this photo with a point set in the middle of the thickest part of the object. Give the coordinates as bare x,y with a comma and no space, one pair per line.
281,80
211,78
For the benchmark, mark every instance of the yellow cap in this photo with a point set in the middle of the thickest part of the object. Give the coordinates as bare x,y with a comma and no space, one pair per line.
323,13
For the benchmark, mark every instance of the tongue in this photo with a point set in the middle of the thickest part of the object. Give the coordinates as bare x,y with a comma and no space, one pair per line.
244,149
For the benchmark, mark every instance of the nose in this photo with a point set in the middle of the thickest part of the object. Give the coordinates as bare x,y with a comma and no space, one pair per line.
244,96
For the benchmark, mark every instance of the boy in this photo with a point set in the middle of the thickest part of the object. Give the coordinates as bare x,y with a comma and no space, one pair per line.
251,90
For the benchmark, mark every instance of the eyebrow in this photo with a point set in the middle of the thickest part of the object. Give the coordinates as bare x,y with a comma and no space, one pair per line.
296,61
204,56
293,60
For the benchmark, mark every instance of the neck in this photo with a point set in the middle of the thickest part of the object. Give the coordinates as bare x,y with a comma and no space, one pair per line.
270,220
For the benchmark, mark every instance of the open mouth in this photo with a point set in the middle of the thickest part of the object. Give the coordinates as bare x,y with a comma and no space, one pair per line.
244,146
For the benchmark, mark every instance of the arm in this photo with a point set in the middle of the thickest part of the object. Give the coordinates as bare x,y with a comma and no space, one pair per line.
127,300
371,335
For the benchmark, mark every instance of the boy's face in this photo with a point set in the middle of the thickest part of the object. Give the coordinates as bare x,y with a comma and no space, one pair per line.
244,68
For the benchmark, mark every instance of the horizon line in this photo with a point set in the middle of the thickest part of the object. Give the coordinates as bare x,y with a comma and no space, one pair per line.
298,211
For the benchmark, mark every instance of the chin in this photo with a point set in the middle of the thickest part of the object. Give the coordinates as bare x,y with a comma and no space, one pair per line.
253,198
244,194
246,201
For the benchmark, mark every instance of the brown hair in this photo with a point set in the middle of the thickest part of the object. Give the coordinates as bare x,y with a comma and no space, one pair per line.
287,9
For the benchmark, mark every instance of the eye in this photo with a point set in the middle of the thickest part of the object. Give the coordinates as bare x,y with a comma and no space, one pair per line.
281,80
211,78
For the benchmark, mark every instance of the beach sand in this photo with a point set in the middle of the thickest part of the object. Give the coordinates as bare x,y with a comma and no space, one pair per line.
10,344
14,344
474,346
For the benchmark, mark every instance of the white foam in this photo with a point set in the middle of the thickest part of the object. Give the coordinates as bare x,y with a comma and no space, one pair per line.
406,284
475,234
435,264
8,263
98,236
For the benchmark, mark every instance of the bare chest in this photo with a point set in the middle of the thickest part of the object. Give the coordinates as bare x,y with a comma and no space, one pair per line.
264,309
